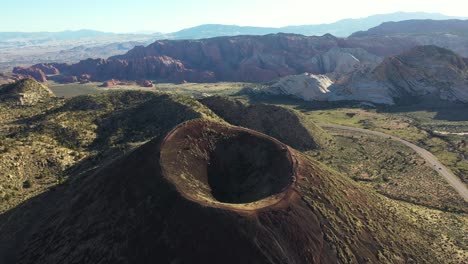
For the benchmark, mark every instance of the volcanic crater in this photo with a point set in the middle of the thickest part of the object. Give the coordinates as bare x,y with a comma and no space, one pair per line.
210,192
226,166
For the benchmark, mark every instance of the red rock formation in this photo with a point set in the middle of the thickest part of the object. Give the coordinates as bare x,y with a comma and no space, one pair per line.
48,69
34,73
239,58
109,83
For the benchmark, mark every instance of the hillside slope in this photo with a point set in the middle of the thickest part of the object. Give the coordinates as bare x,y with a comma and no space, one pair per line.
25,92
286,125
44,144
174,200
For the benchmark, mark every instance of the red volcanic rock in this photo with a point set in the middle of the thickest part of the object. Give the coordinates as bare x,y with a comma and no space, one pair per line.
145,83
34,73
46,68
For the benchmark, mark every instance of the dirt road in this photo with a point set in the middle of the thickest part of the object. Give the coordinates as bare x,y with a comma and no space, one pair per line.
451,178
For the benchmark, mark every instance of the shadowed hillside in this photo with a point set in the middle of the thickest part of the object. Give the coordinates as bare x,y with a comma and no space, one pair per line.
174,200
286,125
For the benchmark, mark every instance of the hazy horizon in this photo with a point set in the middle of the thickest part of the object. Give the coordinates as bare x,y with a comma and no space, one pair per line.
156,31
150,16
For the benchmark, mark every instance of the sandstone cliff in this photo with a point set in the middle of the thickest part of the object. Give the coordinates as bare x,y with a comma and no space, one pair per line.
422,71
239,58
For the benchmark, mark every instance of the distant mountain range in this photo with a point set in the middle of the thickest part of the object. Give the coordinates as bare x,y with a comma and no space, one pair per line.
69,35
341,28
24,49
415,27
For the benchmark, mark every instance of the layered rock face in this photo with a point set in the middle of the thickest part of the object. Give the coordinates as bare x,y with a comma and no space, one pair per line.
424,70
31,72
240,58
305,86
47,68
341,61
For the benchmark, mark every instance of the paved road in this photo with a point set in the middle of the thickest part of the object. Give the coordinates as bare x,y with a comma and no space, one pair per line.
452,179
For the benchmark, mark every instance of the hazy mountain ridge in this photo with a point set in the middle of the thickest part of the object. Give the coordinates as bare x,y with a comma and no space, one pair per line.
341,28
24,49
419,26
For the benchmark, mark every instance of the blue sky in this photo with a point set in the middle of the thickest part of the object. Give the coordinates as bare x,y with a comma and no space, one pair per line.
172,15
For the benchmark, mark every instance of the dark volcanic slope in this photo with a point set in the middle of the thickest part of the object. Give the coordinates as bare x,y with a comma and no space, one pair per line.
286,125
180,199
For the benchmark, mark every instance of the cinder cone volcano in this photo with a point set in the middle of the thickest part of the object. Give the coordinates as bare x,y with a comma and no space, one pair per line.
210,192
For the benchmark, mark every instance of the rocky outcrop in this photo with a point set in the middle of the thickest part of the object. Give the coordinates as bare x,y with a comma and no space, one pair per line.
145,83
426,70
152,67
110,83
34,73
48,69
341,61
114,82
422,71
305,86
353,87
25,92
